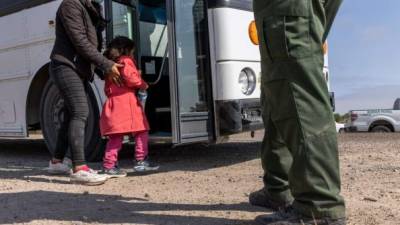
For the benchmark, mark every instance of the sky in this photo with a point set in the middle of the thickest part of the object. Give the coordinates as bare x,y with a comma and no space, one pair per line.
364,54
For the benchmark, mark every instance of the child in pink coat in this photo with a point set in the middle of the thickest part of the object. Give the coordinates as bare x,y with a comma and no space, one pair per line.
122,112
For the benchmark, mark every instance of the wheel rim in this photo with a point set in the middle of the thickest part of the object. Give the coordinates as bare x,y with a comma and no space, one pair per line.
380,130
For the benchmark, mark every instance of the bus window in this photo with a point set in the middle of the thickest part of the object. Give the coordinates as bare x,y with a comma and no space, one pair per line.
191,43
153,12
123,20
154,64
153,28
153,39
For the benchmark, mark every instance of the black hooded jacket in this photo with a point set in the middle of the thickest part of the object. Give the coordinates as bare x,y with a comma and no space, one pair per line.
77,39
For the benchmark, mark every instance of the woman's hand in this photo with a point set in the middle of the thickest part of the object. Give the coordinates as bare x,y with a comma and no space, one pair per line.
115,75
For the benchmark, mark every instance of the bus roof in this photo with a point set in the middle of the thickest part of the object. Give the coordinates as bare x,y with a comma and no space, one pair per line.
12,6
236,4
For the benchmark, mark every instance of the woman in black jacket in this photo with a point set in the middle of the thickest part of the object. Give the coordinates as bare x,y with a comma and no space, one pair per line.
74,57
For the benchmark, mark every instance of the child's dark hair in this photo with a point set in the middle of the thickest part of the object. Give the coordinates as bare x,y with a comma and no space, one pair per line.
118,47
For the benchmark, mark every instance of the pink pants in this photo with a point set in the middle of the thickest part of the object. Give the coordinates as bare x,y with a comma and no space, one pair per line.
115,143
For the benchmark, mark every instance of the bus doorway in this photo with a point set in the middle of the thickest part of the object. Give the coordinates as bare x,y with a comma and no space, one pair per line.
172,40
154,63
146,23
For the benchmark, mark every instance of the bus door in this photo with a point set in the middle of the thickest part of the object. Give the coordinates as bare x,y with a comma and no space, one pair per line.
172,51
189,72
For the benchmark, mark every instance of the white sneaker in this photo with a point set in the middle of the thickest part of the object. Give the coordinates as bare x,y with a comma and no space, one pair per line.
88,178
63,168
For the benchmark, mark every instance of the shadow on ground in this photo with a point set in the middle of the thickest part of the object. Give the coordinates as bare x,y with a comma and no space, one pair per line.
23,159
26,207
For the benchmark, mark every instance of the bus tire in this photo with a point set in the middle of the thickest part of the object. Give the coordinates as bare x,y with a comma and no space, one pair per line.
52,113
381,129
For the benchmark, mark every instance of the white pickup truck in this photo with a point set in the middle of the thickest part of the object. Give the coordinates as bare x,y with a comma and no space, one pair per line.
375,120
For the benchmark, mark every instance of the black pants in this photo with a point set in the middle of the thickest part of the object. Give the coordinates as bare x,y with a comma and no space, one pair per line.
72,131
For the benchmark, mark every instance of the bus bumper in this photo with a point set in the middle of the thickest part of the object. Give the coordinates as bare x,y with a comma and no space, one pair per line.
236,116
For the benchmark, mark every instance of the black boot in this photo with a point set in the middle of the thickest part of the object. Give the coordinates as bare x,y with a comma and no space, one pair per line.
263,198
291,217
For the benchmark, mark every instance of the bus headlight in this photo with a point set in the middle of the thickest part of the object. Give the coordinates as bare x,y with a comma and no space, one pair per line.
247,81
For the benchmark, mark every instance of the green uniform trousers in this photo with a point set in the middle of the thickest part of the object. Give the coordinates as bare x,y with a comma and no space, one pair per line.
299,151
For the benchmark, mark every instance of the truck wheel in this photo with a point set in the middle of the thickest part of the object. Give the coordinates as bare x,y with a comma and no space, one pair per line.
381,129
52,114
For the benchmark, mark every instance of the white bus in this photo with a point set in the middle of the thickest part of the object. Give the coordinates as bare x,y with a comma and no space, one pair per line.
198,53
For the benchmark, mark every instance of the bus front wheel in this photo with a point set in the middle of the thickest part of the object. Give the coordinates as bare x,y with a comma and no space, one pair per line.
52,114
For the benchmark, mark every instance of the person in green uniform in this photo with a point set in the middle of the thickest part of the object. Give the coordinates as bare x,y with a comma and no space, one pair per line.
299,151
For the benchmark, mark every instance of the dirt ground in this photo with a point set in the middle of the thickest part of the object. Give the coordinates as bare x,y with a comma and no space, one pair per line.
199,185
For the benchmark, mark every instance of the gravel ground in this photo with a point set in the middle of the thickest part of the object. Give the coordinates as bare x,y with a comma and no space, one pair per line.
199,185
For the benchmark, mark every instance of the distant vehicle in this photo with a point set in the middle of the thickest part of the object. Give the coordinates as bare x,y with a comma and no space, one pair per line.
375,120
